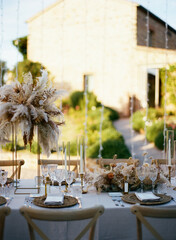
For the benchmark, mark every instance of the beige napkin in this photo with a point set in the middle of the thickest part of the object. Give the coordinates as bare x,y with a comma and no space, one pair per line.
148,196
54,200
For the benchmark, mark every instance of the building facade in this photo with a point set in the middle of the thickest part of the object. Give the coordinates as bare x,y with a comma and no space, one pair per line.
106,43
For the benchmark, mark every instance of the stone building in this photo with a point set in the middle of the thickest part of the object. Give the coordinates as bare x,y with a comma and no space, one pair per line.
105,42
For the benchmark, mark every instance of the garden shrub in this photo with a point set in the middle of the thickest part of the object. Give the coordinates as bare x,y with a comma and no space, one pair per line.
110,147
139,117
138,121
9,147
75,98
159,140
34,148
73,148
154,129
113,134
113,115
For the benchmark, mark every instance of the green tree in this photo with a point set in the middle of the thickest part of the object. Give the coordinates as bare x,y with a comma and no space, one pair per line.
171,85
3,69
21,45
25,67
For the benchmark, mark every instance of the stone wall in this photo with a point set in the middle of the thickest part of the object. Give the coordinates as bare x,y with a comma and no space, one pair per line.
99,39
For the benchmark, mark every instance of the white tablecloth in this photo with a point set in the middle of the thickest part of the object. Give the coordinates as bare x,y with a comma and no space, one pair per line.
116,222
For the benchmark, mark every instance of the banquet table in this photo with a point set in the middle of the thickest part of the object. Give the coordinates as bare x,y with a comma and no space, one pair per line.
116,223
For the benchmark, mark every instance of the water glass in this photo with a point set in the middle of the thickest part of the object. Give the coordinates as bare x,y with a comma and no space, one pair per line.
70,175
3,180
77,191
141,173
44,169
52,172
60,175
153,173
38,181
162,188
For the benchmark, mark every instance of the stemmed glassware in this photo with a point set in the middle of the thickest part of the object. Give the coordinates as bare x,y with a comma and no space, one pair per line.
60,174
141,173
44,169
70,175
3,180
153,176
52,172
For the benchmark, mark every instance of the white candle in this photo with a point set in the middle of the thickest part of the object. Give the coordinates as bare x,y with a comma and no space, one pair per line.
65,159
81,160
169,153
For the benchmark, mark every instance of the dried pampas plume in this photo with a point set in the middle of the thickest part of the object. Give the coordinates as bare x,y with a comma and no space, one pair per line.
30,104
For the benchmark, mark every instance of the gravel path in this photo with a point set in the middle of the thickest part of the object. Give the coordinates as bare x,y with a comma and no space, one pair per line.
123,126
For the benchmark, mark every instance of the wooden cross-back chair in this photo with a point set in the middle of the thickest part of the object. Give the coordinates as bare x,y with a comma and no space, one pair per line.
73,163
4,211
150,212
159,162
67,215
104,162
17,166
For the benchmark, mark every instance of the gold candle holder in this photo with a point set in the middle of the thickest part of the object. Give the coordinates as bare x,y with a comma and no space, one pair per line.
169,178
66,187
46,183
45,189
82,187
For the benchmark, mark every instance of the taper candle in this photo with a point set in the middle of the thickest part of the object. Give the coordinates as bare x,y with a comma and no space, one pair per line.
81,159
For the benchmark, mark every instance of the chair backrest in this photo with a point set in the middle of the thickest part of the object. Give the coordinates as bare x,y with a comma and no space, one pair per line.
104,162
16,163
159,162
4,211
151,212
73,163
67,215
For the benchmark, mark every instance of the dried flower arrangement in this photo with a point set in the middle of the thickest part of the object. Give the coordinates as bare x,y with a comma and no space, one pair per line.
29,104
113,179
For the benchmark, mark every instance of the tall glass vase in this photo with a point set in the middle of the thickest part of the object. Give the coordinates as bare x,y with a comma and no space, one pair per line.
170,153
170,147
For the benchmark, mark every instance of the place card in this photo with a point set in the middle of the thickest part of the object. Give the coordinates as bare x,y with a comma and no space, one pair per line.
34,195
115,194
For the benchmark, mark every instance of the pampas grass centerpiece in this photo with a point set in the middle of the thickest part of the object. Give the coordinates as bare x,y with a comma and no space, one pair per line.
29,104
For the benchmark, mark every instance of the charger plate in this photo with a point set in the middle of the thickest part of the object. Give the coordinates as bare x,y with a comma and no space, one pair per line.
2,200
68,202
132,199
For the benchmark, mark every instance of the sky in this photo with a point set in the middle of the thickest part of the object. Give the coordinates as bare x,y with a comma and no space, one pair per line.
13,24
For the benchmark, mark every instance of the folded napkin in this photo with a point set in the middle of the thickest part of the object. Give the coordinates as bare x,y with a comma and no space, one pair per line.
54,200
146,197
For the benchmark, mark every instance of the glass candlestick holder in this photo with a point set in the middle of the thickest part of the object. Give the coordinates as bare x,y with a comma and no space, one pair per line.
169,147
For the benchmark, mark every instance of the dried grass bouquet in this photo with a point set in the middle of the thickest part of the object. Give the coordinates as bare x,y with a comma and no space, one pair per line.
29,104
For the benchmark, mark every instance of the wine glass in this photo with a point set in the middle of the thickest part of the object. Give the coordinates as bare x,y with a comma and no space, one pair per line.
141,173
44,169
60,174
70,175
51,171
153,176
3,180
